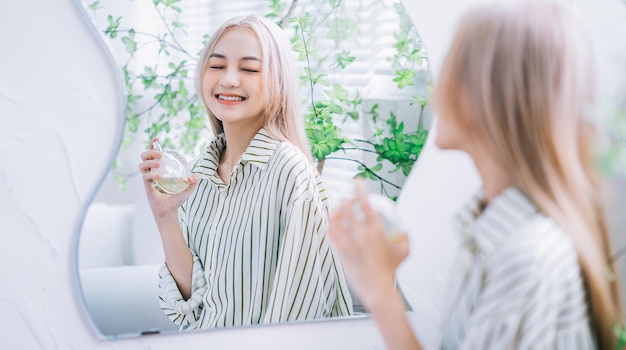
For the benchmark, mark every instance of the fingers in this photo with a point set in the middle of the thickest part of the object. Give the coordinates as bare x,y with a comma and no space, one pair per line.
193,179
147,165
370,217
399,246
150,160
193,183
151,154
361,197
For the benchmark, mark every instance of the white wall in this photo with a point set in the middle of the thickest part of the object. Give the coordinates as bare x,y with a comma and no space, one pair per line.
60,115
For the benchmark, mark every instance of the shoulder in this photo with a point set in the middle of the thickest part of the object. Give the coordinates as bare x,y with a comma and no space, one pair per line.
540,248
543,237
295,171
288,156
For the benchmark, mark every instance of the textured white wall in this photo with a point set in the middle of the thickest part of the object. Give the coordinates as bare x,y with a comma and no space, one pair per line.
60,117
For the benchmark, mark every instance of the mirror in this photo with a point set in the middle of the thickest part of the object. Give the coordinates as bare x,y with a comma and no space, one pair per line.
364,78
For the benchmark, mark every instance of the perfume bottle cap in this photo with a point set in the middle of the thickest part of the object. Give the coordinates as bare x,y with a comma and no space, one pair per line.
157,146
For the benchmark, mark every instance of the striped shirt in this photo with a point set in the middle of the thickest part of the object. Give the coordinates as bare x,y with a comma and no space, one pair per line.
519,284
259,244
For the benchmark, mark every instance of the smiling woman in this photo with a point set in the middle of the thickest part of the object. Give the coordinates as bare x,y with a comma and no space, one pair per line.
249,243
246,242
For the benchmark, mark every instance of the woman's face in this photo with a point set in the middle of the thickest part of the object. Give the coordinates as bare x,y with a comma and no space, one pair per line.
453,109
452,133
232,82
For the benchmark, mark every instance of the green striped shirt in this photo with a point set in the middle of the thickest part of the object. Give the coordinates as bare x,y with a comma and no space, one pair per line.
261,254
519,284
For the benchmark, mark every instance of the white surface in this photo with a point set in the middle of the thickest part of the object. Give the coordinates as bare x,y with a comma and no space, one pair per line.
112,291
60,116
105,238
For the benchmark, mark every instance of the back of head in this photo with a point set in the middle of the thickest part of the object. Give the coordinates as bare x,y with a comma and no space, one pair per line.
280,81
525,71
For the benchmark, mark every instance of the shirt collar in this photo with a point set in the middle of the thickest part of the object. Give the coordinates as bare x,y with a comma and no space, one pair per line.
260,150
258,153
487,229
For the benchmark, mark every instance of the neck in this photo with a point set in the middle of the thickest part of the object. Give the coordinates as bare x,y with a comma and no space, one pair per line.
237,141
494,177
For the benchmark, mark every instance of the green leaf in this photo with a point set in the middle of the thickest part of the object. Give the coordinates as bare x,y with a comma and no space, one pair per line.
205,39
334,108
404,77
121,181
341,94
95,5
377,167
365,173
422,135
343,58
620,334
423,100
182,89
129,41
132,98
132,121
113,26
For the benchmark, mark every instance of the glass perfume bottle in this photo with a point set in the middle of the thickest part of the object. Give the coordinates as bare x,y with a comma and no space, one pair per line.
174,171
386,210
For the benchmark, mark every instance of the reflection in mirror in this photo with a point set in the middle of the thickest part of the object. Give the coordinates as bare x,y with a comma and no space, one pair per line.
364,86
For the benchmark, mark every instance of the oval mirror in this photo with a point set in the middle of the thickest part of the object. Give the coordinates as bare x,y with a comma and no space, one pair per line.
365,83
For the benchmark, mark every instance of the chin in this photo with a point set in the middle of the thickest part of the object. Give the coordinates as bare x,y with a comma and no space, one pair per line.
443,142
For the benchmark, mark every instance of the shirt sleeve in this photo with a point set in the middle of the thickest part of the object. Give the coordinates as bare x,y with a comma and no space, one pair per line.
177,309
530,302
307,283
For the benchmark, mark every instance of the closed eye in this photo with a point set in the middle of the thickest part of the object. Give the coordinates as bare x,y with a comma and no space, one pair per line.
216,67
250,70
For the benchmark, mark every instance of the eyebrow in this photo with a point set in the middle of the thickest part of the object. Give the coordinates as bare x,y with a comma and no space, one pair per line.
245,58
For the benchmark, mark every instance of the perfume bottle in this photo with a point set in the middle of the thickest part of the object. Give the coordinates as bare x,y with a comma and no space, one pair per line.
386,210
174,171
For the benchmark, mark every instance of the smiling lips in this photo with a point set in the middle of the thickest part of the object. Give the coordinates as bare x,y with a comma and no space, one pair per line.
229,99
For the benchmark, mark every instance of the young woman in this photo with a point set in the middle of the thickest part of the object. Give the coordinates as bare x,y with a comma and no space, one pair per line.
246,242
512,93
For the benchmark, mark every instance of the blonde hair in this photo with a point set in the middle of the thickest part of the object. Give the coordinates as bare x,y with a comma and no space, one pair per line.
283,119
525,69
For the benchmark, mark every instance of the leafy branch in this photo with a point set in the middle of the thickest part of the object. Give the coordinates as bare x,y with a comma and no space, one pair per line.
160,100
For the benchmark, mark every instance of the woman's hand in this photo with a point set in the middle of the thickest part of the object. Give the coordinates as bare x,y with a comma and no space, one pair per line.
162,205
369,256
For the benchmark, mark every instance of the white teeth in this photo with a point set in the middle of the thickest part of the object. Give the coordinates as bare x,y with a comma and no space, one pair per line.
230,98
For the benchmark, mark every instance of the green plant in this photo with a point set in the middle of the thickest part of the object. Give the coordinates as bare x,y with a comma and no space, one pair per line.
612,153
331,104
161,99
612,163
620,334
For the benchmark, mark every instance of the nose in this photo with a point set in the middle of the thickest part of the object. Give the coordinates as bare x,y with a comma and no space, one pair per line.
230,78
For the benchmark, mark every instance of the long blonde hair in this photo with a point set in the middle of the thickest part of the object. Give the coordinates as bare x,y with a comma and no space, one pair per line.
283,119
525,68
